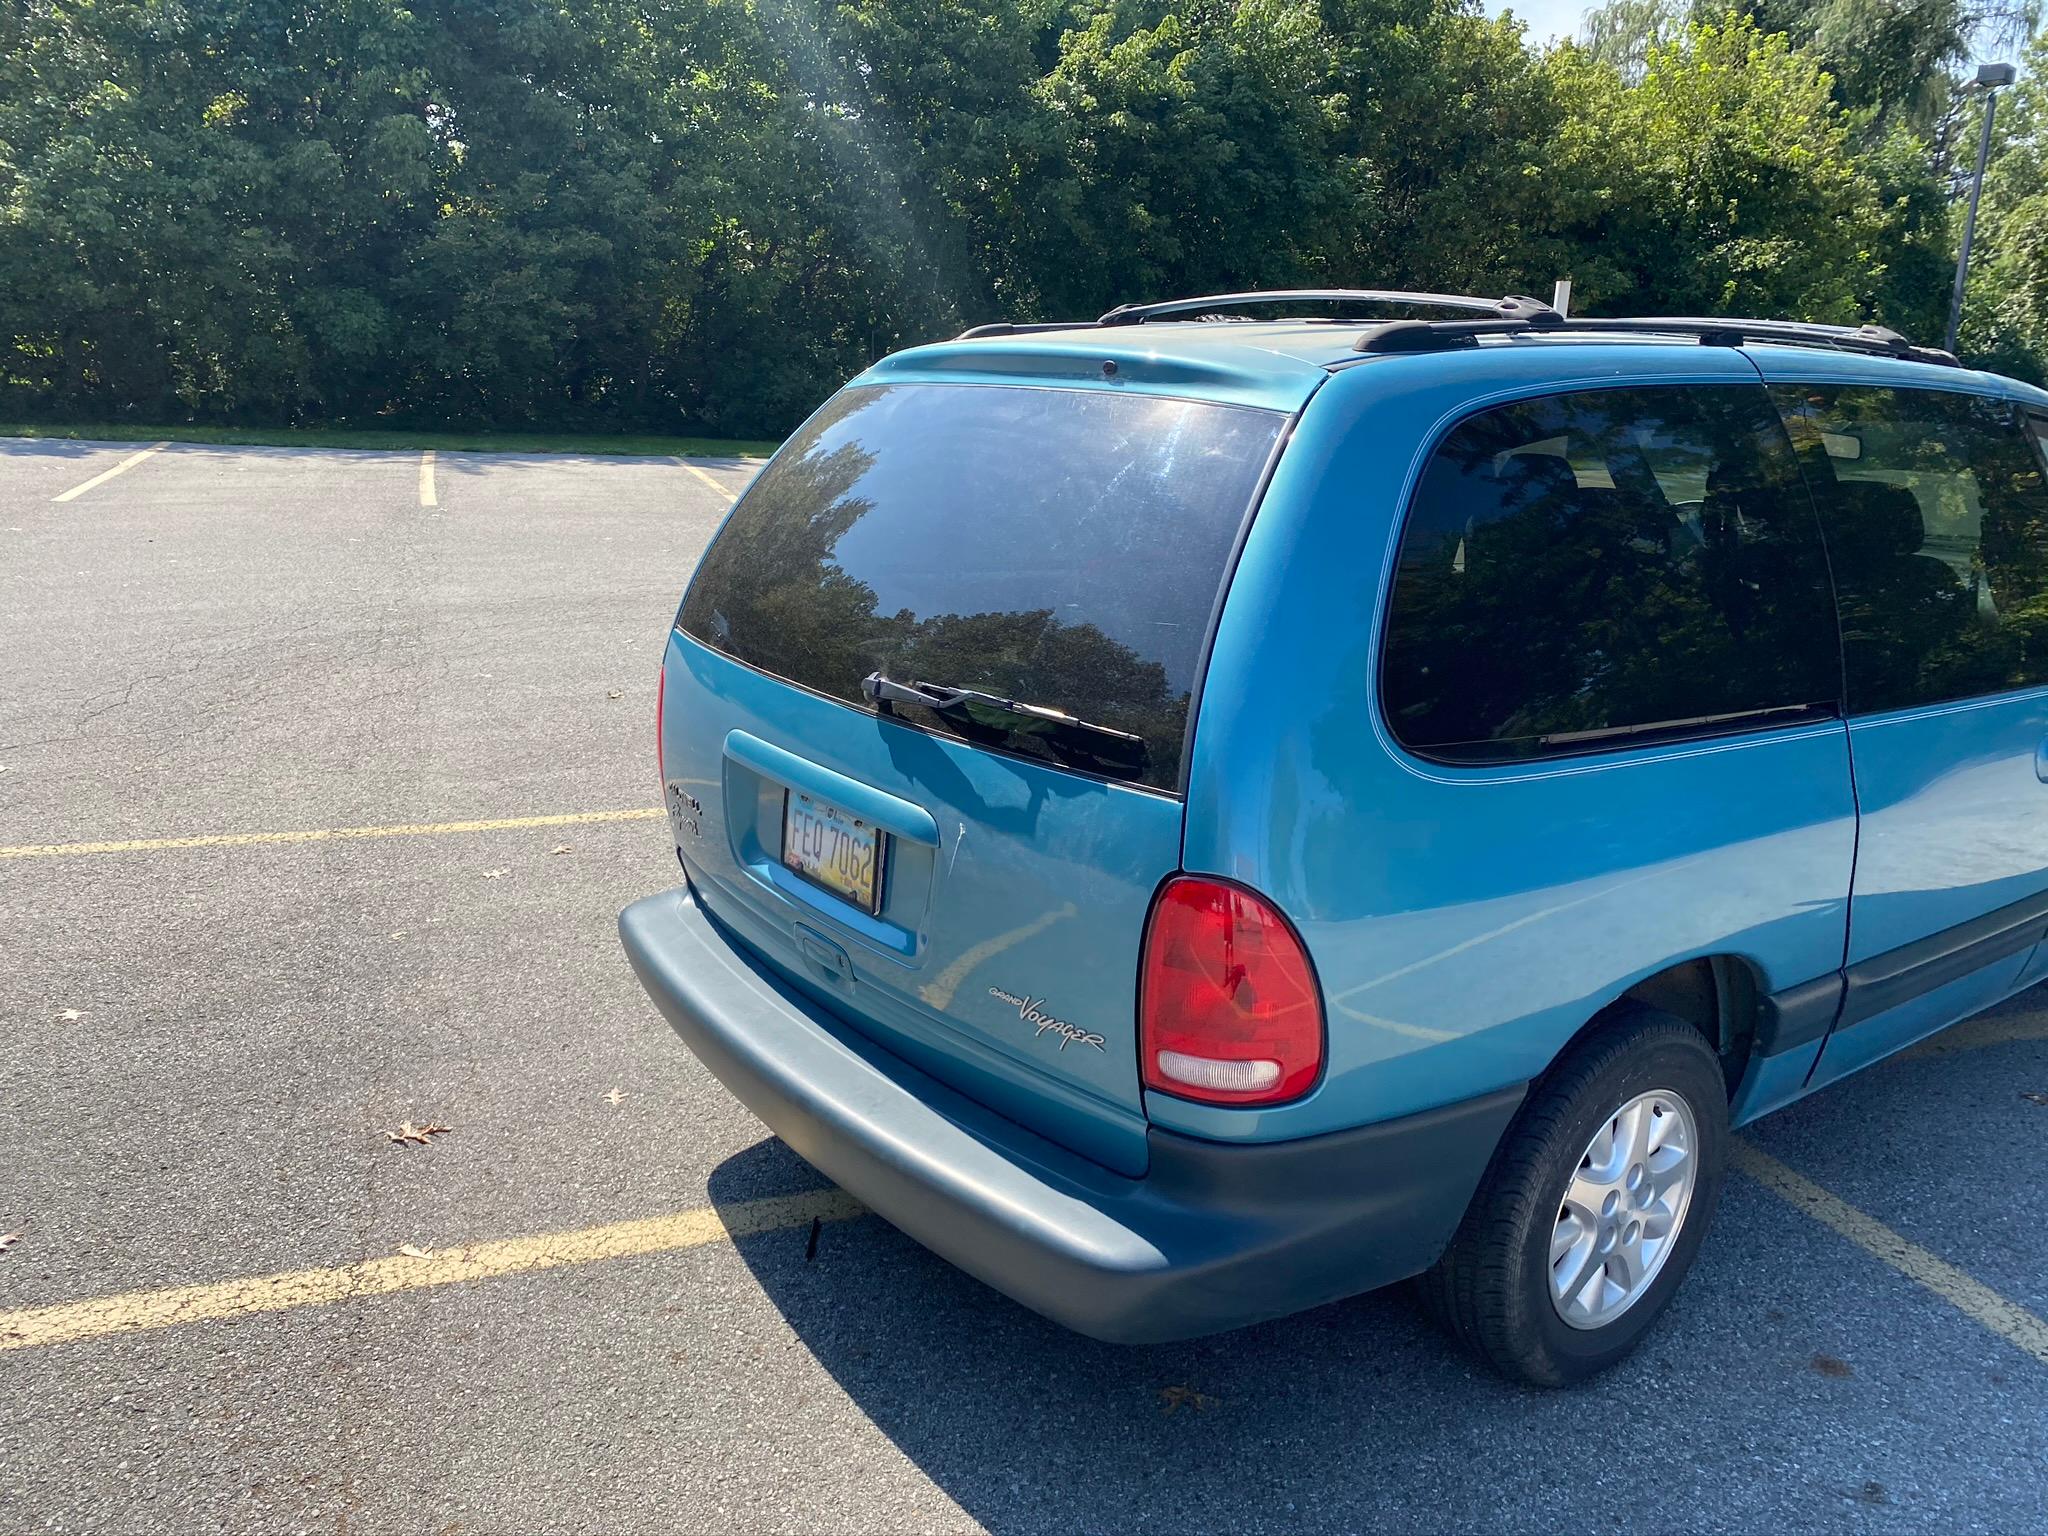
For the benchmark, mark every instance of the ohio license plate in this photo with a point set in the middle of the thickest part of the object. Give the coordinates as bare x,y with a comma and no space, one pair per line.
832,848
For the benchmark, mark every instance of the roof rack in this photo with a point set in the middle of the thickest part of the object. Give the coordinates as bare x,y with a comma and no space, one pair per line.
1713,331
1533,311
1515,308
1510,316
1023,328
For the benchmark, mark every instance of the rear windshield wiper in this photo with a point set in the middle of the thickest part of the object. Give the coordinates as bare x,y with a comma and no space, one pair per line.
1069,736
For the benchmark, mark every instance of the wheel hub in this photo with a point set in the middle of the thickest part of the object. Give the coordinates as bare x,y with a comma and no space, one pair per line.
1623,1208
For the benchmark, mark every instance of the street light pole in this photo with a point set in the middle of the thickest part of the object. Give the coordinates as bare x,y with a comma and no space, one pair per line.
1989,78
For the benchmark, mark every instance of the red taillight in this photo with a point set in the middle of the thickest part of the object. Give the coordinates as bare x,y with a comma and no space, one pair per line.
660,708
1228,1008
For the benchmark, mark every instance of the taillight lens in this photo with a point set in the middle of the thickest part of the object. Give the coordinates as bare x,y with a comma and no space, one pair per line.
1228,1008
661,708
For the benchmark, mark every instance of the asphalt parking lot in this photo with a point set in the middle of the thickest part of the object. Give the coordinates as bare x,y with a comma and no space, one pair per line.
322,778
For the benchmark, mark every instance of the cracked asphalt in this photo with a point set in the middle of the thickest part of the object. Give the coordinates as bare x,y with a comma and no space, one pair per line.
203,1048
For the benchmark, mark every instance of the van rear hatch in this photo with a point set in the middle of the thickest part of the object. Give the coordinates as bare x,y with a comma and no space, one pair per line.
925,711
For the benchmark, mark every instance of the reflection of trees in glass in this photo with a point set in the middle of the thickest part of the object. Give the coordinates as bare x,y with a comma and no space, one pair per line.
1535,598
1930,610
767,590
770,593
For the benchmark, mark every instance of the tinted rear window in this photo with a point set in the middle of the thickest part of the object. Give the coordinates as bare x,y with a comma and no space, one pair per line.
1060,547
1937,525
1593,570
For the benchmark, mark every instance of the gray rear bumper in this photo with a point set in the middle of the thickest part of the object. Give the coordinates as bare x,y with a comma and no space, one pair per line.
1215,1236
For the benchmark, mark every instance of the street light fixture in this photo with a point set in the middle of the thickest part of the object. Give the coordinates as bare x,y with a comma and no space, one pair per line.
1989,78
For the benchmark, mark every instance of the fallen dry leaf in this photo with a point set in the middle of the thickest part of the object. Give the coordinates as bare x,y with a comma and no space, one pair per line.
70,1015
615,1097
2035,1098
412,1250
493,874
419,1133
562,848
8,1240
1171,1398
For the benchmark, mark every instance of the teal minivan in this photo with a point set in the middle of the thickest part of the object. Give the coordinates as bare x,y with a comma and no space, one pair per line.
1195,815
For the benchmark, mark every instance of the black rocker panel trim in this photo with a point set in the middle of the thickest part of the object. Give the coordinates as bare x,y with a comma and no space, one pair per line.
1799,1015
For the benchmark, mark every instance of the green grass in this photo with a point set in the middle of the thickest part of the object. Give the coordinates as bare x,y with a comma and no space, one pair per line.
451,442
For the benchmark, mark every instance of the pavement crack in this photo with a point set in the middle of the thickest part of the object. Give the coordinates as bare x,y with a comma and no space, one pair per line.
86,716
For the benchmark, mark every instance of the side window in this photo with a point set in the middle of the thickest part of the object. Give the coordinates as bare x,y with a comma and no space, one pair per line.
1594,570
1936,520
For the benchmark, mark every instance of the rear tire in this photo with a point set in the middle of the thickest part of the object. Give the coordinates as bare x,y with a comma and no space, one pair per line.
1594,1206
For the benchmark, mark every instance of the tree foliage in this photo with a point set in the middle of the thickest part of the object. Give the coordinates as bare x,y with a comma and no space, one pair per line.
1722,181
664,213
2006,320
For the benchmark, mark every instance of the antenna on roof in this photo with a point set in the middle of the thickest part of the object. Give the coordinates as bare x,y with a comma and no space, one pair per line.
1561,297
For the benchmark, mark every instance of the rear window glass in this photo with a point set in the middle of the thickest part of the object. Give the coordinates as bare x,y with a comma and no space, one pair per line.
1593,570
1061,548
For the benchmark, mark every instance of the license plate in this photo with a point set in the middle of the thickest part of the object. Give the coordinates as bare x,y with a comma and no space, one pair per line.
832,848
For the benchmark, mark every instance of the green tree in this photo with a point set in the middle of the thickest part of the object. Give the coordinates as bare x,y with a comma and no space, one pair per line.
1890,59
470,211
1621,33
1451,129
1197,148
624,215
2005,321
1722,184
166,170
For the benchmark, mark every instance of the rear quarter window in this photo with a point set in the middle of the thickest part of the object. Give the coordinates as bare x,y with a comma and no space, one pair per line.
1589,571
1064,548
1936,519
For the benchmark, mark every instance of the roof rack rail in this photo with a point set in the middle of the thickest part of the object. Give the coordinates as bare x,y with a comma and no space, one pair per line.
1524,311
1716,331
1022,328
1514,307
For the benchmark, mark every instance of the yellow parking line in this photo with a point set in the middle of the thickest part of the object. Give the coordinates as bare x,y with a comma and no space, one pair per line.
141,1311
326,834
104,476
1975,1300
701,475
427,497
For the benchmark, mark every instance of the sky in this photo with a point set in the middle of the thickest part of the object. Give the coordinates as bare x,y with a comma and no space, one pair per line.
1544,18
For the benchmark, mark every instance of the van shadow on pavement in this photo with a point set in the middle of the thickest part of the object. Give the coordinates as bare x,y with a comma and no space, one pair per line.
1357,1416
